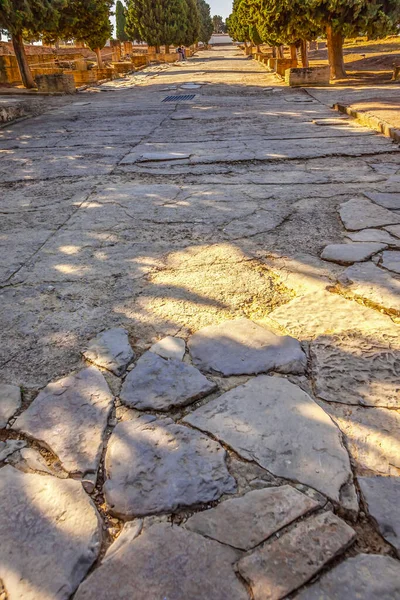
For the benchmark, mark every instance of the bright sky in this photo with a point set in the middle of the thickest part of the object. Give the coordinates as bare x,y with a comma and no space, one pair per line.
220,7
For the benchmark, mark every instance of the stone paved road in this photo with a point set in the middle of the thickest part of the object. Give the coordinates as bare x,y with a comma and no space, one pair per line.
254,218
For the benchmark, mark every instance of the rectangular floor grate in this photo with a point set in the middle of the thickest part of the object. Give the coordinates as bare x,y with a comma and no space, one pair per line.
179,98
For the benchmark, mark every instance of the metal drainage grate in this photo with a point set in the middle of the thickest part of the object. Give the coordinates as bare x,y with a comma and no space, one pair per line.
179,98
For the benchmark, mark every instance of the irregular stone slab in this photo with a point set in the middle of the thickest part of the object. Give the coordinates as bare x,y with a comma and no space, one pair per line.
369,282
391,261
331,122
158,466
347,254
190,86
387,200
374,235
170,347
161,156
394,230
382,495
359,213
372,437
278,568
356,369
50,535
299,99
28,460
111,349
159,384
70,416
9,447
247,521
241,347
164,562
275,423
362,577
322,312
10,401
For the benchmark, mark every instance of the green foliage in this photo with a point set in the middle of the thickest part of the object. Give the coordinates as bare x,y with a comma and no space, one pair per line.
120,18
218,24
159,22
31,16
206,24
238,22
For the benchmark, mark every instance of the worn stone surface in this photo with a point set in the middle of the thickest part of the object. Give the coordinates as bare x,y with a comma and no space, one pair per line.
356,368
50,535
372,437
247,521
382,496
70,416
29,460
10,401
165,562
155,466
111,350
162,156
394,230
385,199
332,122
159,384
242,347
391,261
320,312
275,423
375,285
170,347
347,254
374,235
8,448
366,577
278,568
359,213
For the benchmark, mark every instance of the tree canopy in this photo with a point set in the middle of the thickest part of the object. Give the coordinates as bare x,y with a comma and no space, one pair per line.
218,24
206,25
120,18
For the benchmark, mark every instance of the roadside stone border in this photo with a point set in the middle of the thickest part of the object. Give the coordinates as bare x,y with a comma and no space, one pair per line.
364,118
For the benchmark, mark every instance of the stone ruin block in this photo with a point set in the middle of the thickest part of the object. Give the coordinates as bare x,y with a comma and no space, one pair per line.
307,76
56,83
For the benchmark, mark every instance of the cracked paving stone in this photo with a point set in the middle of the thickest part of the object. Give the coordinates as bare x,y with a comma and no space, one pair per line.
161,156
282,566
391,261
369,282
374,235
9,447
160,384
170,347
387,200
360,213
362,577
247,521
111,350
331,122
394,230
155,466
10,401
70,416
275,423
382,496
241,347
347,254
50,535
165,562
356,368
372,436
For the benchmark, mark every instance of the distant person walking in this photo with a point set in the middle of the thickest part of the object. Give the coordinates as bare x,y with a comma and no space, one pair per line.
180,52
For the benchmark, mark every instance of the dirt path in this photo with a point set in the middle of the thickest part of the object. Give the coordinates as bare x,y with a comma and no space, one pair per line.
123,210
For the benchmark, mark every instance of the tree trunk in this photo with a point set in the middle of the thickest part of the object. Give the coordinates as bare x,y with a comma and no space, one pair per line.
23,65
258,49
274,52
335,53
293,52
157,49
166,49
99,58
281,52
304,54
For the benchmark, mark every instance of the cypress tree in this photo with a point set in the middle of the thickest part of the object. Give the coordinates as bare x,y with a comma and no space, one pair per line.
30,17
206,24
144,21
120,18
192,22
